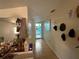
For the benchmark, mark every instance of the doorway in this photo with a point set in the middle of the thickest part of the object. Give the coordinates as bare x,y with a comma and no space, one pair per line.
38,28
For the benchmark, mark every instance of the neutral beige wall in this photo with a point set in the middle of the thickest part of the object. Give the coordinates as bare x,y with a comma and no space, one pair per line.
64,50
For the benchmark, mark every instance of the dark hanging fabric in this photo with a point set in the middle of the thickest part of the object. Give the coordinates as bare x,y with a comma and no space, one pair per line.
18,20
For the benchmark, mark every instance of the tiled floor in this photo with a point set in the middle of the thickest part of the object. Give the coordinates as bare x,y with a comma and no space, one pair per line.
42,51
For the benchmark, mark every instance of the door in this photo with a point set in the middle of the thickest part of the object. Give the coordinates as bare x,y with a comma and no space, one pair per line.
38,27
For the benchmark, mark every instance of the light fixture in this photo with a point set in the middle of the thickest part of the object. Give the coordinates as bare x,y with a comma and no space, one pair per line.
15,32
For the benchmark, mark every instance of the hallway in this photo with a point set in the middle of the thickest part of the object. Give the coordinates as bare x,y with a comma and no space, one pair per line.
42,51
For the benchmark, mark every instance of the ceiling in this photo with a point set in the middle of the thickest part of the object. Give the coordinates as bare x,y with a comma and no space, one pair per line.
40,8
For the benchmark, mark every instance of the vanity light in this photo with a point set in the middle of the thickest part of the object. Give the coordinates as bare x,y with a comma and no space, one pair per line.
15,32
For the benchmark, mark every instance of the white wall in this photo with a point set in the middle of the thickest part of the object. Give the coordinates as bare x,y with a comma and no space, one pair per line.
11,15
14,12
64,50
7,31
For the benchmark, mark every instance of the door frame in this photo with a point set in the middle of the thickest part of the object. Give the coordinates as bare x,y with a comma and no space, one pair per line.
41,30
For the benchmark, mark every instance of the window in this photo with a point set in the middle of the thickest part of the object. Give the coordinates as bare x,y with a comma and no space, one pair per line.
47,26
